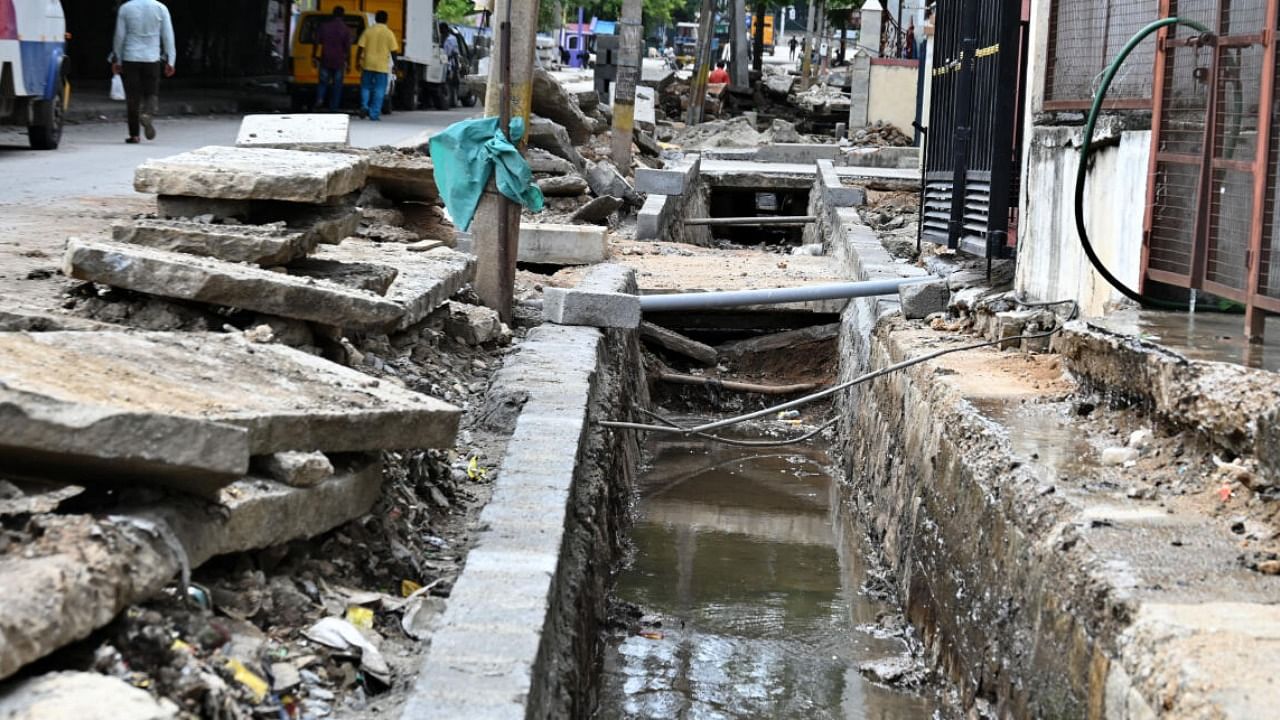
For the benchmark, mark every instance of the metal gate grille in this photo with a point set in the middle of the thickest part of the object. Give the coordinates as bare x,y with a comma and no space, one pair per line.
971,153
1211,211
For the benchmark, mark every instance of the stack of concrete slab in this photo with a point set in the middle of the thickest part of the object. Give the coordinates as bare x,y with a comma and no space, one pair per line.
294,202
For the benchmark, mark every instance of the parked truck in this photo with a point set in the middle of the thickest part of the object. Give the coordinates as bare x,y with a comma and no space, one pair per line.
423,72
33,75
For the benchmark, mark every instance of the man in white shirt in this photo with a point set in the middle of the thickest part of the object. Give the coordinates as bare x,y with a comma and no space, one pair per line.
143,45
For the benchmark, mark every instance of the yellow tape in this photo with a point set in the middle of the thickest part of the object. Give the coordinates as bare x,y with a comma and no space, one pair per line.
624,117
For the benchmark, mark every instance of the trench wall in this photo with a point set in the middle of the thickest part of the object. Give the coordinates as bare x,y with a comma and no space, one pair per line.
518,638
977,557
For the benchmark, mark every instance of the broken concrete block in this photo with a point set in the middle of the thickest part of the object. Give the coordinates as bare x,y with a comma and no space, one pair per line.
838,194
301,131
541,161
797,152
563,186
920,300
556,244
671,180
60,437
598,210
328,224
285,398
83,570
81,696
473,324
679,344
260,244
605,179
409,177
295,469
1267,447
605,298
425,278
553,138
651,222
551,101
375,279
187,277
253,173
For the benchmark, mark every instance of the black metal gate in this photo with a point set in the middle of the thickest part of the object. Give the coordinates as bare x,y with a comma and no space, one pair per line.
972,149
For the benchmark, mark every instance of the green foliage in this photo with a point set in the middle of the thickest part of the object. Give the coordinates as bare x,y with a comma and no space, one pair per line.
455,11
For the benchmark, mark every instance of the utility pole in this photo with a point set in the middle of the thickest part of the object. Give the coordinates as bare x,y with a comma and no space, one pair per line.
741,67
806,63
698,87
496,228
624,89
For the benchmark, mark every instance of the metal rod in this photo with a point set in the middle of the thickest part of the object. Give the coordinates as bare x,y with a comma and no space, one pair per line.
755,221
774,296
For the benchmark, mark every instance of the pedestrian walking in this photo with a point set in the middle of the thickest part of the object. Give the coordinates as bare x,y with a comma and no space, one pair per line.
792,45
143,48
333,43
376,45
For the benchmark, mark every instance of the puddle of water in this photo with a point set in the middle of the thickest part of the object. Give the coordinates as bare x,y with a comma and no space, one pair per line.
1200,336
1044,437
756,575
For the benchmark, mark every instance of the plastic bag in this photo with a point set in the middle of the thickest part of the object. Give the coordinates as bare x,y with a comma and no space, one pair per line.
117,88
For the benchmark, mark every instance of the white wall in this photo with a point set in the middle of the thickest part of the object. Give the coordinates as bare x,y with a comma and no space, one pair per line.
891,96
1051,264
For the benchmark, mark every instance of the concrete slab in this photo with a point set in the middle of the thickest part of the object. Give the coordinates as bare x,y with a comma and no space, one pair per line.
300,131
604,179
259,244
285,398
838,194
595,301
797,152
188,277
556,244
795,176
64,438
424,279
553,138
674,179
403,175
84,570
654,215
229,173
329,223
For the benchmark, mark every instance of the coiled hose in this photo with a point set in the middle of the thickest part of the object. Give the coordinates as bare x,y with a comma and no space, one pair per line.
1086,147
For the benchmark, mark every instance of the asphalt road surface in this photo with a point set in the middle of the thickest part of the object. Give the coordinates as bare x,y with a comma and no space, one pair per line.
95,161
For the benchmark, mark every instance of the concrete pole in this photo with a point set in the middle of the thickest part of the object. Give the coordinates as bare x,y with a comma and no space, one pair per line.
738,31
624,89
496,228
872,23
702,66
806,63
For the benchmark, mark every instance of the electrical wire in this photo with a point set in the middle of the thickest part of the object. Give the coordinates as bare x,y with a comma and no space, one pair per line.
744,443
1086,147
704,429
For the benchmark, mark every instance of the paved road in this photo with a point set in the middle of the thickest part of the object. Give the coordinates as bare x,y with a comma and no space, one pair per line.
95,161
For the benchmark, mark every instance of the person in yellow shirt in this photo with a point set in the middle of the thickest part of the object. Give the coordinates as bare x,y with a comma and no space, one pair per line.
376,45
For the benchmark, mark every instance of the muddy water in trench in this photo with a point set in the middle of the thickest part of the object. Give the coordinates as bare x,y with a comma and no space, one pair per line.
756,574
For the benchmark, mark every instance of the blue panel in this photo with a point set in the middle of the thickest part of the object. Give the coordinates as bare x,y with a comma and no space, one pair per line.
40,67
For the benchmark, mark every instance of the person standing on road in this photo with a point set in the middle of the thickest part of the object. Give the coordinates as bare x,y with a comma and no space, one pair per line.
143,47
792,45
333,42
376,44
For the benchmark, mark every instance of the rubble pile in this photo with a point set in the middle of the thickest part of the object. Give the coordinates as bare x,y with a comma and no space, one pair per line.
880,134
334,350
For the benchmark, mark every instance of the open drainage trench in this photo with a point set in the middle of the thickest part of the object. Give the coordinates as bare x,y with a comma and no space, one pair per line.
749,589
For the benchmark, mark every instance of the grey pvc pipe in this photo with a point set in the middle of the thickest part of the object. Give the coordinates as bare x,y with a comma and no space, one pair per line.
774,296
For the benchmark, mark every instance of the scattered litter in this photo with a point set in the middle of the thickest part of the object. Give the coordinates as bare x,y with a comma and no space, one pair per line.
342,636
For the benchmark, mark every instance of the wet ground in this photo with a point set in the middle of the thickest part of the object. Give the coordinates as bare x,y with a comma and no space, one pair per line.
1201,335
754,588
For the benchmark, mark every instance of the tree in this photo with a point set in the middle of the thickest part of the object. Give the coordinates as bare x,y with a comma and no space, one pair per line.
454,11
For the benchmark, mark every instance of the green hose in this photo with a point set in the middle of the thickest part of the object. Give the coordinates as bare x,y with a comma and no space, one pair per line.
1086,146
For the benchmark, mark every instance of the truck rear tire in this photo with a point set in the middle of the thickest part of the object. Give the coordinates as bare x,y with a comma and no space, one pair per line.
439,96
49,115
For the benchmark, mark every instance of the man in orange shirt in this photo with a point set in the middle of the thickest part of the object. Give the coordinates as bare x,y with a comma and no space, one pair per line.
719,76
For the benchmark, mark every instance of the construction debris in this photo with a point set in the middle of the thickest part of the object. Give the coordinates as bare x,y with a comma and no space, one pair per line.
226,173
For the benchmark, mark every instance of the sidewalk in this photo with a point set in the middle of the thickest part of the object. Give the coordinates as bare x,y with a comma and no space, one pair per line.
91,102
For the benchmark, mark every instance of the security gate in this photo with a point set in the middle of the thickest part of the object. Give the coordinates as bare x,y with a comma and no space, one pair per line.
972,148
1210,220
